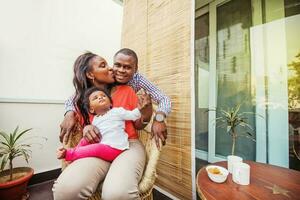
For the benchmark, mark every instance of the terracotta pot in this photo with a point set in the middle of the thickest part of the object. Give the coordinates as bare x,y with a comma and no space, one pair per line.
14,190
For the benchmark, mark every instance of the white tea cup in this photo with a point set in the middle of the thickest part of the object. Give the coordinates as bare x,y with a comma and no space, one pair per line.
241,173
233,159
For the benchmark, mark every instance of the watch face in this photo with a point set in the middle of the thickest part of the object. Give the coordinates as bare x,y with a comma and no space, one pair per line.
159,117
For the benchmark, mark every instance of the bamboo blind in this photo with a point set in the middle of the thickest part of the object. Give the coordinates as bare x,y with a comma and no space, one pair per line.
159,31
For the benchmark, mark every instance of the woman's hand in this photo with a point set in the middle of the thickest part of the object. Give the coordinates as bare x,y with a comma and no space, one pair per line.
67,126
91,134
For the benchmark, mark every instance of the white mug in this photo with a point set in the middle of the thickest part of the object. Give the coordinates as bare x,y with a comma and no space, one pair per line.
232,159
241,173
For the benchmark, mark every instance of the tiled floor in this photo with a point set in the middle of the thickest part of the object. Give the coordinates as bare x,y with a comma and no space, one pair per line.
43,191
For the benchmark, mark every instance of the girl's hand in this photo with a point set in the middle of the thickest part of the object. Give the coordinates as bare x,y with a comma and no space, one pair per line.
61,153
145,106
91,134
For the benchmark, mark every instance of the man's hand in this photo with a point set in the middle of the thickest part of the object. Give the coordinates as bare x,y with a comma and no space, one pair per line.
91,134
159,131
67,126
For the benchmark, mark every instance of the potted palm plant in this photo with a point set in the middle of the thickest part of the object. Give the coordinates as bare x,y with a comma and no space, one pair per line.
13,181
232,119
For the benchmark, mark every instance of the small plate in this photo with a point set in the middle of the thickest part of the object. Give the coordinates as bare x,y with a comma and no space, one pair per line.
218,178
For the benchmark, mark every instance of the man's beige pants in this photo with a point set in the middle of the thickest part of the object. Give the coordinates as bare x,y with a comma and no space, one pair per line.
81,178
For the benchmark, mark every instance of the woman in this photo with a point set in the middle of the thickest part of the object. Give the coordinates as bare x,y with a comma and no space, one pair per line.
81,178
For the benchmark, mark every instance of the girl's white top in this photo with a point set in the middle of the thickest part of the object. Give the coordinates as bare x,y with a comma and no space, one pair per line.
112,126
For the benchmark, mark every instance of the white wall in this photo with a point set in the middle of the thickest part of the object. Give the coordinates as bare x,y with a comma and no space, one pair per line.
39,42
45,120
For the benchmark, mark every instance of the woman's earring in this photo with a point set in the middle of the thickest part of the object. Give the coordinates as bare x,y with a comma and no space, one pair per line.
93,81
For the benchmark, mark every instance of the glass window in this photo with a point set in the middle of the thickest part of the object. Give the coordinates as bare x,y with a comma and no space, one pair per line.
234,72
248,53
201,77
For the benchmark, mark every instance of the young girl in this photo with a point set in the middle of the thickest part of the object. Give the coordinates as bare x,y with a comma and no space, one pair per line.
111,123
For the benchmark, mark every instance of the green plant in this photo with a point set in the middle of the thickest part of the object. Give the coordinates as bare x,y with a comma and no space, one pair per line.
12,146
231,119
294,83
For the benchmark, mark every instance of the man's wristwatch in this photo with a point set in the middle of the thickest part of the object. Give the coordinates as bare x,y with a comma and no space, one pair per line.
159,117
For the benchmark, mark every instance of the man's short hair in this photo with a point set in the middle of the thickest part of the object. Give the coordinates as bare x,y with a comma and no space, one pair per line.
128,52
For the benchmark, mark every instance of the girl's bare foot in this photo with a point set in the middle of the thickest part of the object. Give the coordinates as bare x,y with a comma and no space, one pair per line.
61,153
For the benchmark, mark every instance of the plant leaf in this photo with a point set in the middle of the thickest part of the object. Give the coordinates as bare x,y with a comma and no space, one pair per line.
26,154
246,125
247,136
221,126
23,152
3,150
248,133
226,114
219,118
5,144
5,136
3,161
237,109
22,133
15,132
228,128
11,141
